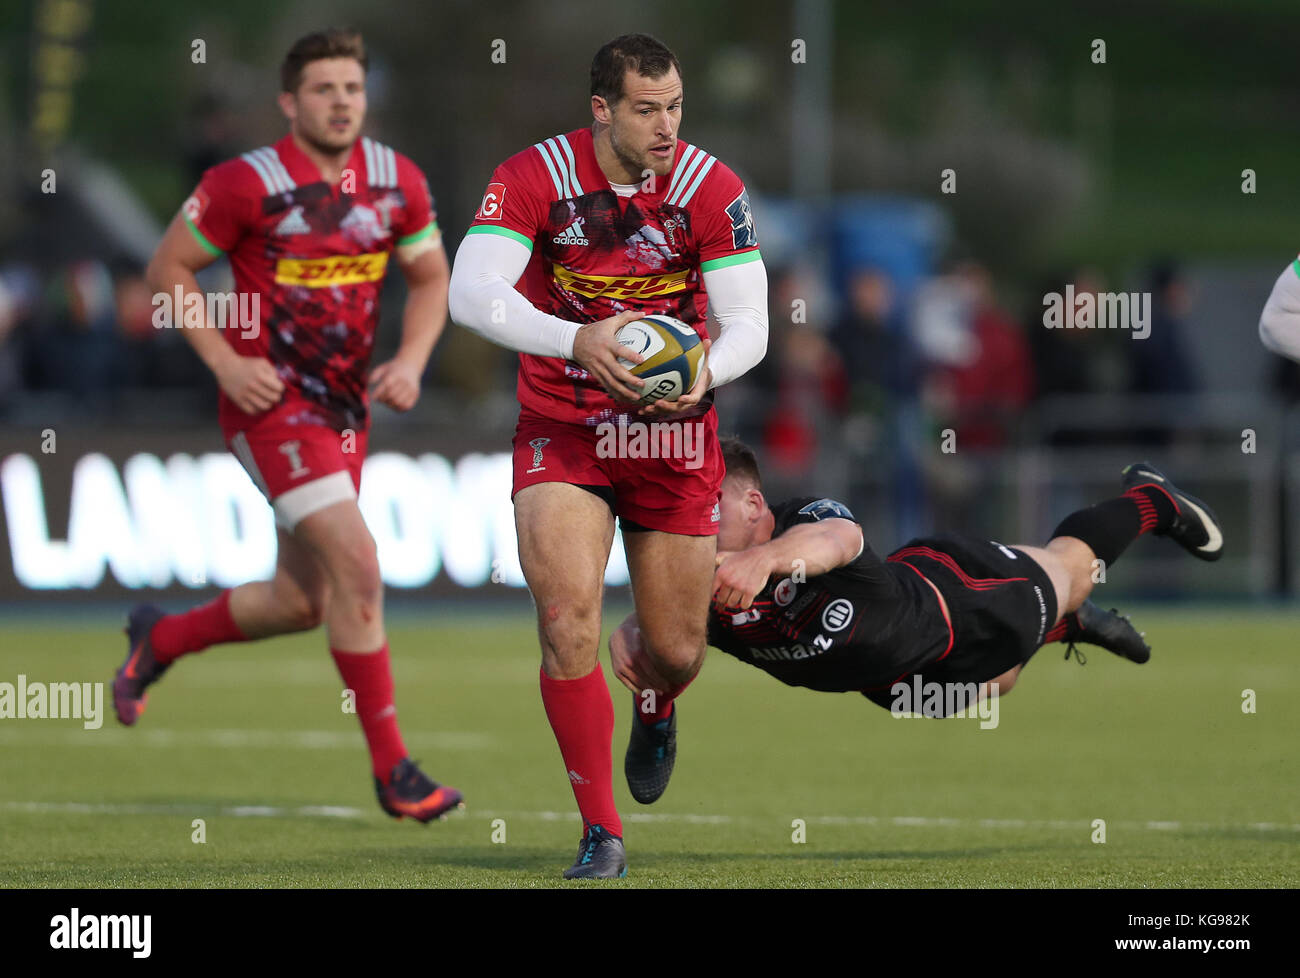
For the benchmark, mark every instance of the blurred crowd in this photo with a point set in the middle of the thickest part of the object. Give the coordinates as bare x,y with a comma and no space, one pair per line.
928,387
83,333
934,387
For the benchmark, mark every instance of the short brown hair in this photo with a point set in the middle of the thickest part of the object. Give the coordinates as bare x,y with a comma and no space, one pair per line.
740,461
641,53
336,42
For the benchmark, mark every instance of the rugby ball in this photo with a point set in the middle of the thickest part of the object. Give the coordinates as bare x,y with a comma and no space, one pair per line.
673,356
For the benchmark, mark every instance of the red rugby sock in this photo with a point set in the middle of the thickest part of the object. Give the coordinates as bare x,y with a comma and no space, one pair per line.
193,631
581,714
663,704
1057,631
370,677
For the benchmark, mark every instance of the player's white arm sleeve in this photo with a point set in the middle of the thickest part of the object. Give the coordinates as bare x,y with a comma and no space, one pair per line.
738,300
1279,324
482,297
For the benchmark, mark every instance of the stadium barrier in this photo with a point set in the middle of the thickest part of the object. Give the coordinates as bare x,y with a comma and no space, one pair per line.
124,512
169,512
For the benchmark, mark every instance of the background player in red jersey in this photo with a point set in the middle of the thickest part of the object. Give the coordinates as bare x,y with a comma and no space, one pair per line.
309,225
576,236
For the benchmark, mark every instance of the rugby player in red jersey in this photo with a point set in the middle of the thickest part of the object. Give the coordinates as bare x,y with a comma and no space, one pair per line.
309,226
577,236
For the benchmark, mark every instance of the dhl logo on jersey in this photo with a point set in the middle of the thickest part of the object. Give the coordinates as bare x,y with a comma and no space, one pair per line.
334,270
620,286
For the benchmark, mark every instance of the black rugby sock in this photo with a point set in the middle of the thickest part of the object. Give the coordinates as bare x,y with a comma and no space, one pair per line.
1109,527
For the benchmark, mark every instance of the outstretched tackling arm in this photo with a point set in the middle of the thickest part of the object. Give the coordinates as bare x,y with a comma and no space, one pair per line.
1279,324
821,547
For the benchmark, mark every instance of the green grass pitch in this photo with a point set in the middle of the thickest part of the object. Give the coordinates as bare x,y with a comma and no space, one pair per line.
252,740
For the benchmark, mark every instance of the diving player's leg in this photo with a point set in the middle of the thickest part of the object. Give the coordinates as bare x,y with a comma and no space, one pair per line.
1068,563
565,533
671,577
1088,541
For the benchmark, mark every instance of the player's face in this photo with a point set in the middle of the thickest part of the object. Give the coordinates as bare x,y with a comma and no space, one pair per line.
330,105
644,122
739,515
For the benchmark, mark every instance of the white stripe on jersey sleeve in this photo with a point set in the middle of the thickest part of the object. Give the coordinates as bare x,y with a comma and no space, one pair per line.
276,174
390,161
279,169
683,161
381,163
550,167
261,171
699,179
696,160
554,149
368,148
573,166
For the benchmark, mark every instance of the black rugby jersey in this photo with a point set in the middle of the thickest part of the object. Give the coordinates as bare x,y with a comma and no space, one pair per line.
857,627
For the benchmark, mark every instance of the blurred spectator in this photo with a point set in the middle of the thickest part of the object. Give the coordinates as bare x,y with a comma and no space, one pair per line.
74,341
1072,361
978,381
214,136
807,392
1160,362
983,392
18,285
873,350
1064,359
133,310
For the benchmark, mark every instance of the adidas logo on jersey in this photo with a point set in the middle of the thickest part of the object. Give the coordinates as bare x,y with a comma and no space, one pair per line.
572,235
293,223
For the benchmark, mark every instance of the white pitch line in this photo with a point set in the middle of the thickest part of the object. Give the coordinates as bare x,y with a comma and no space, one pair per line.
445,740
904,821
682,818
235,811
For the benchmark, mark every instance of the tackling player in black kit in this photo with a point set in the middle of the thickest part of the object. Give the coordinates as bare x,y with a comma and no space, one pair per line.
799,593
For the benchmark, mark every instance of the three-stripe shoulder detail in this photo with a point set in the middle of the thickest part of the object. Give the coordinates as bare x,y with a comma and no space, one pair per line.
692,167
381,163
267,164
560,163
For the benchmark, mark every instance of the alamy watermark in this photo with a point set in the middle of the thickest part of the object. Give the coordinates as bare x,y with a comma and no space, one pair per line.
215,310
931,699
1098,310
25,700
683,440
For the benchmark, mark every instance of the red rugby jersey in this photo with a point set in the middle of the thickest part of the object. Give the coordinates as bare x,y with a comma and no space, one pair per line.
595,253
315,256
